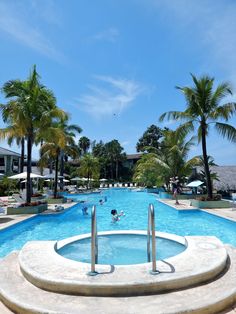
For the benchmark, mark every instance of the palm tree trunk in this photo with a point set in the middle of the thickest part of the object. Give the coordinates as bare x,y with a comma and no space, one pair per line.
56,177
61,169
29,159
205,159
41,167
22,154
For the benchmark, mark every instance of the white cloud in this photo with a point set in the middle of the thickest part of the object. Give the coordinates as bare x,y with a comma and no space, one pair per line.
209,23
111,34
14,23
112,99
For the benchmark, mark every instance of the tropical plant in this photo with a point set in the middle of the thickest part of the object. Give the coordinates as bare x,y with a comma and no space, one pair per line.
172,159
202,174
99,151
29,111
204,109
71,149
84,144
58,140
150,138
114,155
89,168
147,171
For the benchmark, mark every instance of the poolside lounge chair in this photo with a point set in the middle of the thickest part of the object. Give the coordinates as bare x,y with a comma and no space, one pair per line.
18,198
58,208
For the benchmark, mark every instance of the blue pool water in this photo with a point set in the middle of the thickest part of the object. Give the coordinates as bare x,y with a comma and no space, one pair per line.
134,204
119,249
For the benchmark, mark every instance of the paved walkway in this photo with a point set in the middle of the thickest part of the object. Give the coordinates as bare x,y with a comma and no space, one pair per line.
9,220
229,213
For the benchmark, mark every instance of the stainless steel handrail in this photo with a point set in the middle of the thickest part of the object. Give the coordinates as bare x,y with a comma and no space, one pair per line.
94,242
151,229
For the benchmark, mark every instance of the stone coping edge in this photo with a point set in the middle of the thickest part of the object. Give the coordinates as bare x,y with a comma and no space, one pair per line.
203,259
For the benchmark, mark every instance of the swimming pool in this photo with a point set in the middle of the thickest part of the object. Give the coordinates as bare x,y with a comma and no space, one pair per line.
119,249
135,206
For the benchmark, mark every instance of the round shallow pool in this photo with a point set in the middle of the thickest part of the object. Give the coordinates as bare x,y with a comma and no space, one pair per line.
120,249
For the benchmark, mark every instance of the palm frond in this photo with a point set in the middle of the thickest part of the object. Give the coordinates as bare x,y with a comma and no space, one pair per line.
226,130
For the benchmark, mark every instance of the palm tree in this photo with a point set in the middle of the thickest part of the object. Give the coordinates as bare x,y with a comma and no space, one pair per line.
30,110
114,156
89,167
57,140
70,131
204,109
84,144
171,160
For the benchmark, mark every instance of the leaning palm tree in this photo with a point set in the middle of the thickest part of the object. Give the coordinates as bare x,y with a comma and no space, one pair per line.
171,160
70,131
31,108
204,109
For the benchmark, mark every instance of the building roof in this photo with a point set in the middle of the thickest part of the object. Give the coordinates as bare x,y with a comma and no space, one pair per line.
7,152
134,156
226,176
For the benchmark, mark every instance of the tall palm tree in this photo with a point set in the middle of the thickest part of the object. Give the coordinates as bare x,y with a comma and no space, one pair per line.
70,131
84,143
31,108
204,109
114,155
89,167
56,141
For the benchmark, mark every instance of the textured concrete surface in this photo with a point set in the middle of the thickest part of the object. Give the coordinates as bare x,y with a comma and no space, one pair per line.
229,213
25,298
204,258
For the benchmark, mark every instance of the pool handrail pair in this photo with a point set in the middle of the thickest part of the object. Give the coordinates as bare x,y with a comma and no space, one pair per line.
151,236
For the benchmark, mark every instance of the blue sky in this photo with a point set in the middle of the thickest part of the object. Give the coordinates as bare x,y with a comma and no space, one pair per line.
114,65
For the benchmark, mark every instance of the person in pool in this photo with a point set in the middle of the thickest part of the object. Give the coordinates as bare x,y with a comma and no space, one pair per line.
85,210
115,216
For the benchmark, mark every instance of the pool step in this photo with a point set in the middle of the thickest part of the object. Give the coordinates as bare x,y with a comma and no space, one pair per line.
204,259
24,298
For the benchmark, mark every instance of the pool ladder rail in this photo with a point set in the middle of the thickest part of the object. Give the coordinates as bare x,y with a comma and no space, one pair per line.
151,237
94,242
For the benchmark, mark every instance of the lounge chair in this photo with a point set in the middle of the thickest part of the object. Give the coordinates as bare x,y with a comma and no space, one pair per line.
58,208
18,198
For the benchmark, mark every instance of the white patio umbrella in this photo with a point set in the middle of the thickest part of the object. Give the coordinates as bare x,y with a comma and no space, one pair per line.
52,176
64,180
102,180
195,184
23,175
76,179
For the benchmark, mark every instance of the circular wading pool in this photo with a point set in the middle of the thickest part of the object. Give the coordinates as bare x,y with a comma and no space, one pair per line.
120,249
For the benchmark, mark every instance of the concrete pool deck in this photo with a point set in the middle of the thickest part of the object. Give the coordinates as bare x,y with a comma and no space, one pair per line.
229,213
10,220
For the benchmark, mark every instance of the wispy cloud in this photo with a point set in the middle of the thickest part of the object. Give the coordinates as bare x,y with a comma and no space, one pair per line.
111,34
209,23
111,97
14,23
